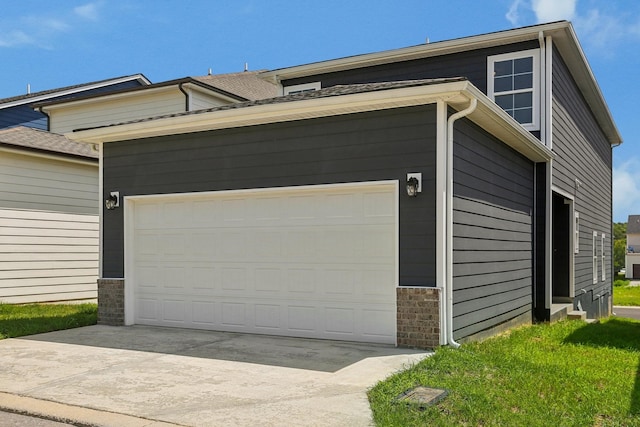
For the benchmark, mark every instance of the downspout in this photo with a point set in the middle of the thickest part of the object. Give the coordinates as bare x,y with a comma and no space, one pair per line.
473,102
44,113
186,97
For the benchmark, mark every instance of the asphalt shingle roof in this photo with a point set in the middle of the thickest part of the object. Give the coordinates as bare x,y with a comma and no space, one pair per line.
246,84
54,91
40,140
337,90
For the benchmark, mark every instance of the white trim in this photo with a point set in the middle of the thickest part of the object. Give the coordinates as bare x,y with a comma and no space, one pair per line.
576,232
61,157
536,89
594,249
603,237
304,87
543,88
457,94
548,105
129,206
55,94
100,208
441,212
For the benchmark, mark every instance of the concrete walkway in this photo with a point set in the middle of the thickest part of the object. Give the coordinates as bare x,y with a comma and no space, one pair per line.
145,376
627,311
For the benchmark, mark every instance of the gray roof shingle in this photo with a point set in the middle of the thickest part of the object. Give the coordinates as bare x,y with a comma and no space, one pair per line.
247,84
337,90
35,139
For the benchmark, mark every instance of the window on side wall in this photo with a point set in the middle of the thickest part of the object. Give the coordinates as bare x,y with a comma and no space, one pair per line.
595,257
514,84
302,88
576,233
602,256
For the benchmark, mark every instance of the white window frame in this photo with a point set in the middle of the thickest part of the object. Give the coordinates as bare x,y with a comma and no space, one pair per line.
595,257
576,233
602,256
304,87
535,54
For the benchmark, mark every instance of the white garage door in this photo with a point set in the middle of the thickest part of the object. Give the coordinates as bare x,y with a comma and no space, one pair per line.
317,262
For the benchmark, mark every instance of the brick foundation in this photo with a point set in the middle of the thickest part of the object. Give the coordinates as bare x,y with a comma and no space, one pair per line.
111,302
418,317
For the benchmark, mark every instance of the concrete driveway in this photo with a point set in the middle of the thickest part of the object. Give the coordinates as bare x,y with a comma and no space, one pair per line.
146,376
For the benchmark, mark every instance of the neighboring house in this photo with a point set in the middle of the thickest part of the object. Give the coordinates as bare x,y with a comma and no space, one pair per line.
49,184
632,260
174,96
48,217
290,216
48,201
19,111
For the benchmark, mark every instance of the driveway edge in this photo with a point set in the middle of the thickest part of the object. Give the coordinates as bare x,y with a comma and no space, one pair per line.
70,414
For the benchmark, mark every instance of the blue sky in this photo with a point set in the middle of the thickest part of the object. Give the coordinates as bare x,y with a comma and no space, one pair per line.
60,43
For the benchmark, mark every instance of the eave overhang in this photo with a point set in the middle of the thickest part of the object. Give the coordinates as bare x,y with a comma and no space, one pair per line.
456,94
562,33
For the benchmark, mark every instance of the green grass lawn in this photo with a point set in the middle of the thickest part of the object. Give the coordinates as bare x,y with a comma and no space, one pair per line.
626,295
566,374
29,319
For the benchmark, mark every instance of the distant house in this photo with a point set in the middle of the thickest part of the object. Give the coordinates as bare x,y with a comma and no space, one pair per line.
416,197
48,217
632,260
49,200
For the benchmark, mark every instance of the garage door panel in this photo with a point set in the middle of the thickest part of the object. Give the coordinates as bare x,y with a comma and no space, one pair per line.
310,263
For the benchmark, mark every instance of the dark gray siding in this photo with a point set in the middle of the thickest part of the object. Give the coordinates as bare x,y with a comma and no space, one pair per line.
374,146
471,64
583,153
24,115
493,249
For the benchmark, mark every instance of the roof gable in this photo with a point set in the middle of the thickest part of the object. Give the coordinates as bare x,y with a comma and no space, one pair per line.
44,95
561,33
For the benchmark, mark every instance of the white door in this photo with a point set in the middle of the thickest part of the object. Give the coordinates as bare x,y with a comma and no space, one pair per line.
317,261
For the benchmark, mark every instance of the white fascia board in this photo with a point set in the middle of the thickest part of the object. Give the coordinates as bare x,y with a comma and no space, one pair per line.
50,156
414,52
74,90
275,113
488,115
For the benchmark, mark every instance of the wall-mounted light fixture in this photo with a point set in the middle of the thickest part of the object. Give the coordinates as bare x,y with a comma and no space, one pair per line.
113,201
414,184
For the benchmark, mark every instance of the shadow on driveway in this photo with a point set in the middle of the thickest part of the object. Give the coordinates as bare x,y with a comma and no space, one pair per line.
614,333
300,353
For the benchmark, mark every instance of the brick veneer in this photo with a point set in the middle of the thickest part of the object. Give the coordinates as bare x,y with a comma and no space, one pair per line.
111,302
418,317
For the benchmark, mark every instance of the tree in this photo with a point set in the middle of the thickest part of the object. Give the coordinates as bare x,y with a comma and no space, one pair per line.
619,245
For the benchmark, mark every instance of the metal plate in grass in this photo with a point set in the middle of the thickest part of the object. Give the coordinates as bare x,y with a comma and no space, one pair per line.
422,396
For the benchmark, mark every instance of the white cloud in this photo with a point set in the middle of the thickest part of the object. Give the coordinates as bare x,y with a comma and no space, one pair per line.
626,190
88,11
513,14
554,10
14,38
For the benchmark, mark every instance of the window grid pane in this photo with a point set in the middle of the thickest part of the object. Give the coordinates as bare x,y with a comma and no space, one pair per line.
513,87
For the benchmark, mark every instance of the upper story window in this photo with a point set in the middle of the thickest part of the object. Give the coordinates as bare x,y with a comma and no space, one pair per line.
514,84
305,87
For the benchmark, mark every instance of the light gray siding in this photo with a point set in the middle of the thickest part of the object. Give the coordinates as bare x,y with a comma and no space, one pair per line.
493,202
47,256
47,184
582,169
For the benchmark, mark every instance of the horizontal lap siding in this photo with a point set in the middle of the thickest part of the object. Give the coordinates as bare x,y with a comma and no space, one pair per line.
47,256
492,234
28,182
471,64
373,146
583,154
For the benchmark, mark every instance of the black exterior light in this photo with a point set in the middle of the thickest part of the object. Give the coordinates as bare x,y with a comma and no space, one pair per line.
113,201
413,184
